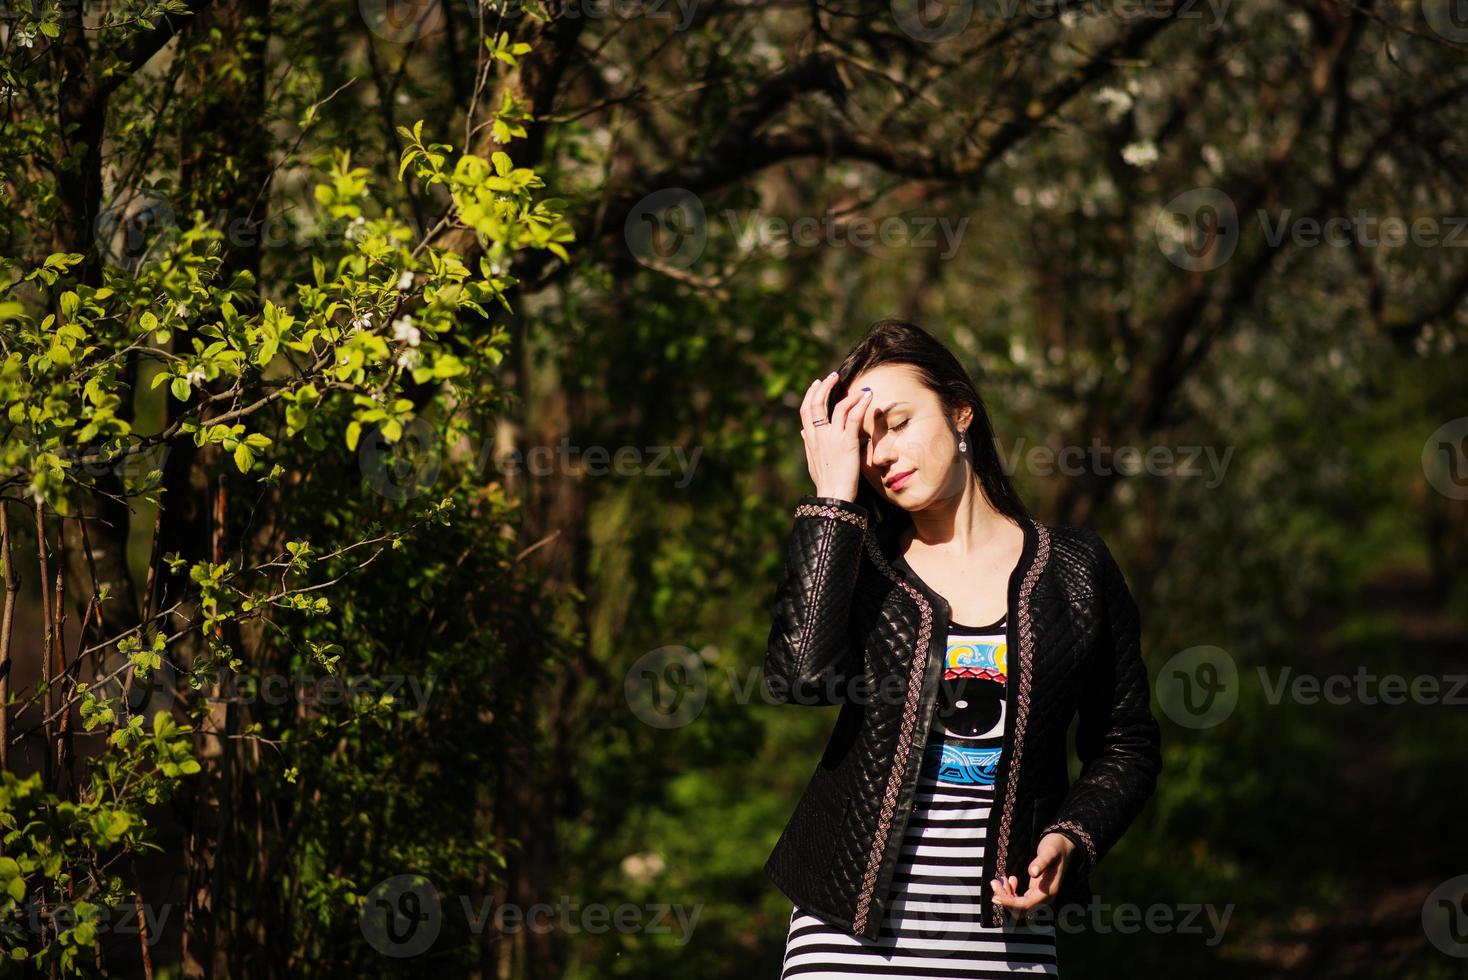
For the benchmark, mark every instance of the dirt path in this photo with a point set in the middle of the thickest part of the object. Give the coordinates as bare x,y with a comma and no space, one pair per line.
1399,778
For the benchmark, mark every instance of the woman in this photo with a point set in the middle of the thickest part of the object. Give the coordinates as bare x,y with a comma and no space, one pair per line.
940,829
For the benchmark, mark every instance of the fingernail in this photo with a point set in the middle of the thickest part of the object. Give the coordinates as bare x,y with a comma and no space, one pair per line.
866,389
831,375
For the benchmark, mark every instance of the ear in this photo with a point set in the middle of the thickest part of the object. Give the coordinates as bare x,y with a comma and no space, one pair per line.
963,418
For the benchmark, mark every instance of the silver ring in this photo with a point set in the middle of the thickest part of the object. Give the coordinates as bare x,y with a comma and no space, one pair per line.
821,422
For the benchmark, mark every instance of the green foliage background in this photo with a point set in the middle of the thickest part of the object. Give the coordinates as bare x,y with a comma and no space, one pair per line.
359,518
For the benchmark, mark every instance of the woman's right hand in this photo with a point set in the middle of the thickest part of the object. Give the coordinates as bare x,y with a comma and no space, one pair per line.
833,446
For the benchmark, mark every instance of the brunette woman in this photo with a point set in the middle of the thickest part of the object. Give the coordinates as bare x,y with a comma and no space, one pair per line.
960,637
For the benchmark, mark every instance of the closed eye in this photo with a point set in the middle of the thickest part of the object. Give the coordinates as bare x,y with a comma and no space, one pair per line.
896,428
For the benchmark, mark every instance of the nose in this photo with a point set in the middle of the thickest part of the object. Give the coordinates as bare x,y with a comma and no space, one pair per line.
881,451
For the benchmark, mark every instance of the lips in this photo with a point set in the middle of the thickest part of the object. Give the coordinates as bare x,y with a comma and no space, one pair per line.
898,480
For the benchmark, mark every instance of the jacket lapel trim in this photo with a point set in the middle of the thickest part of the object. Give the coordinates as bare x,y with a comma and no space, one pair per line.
1020,704
904,737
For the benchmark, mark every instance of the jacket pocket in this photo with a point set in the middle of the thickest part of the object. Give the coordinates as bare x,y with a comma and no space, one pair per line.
1041,813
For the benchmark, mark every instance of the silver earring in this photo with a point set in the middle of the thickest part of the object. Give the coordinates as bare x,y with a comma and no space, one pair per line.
962,445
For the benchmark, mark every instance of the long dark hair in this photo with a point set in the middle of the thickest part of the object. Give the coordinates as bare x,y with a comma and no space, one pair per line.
894,341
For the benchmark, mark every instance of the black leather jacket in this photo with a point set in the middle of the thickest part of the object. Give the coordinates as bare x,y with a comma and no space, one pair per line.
852,628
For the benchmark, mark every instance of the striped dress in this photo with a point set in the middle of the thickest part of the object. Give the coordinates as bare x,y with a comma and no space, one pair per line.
932,930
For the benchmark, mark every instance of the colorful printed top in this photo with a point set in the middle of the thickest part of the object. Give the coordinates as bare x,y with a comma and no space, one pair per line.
933,927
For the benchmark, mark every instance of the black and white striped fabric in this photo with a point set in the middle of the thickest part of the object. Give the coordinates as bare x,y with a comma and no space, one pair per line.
932,930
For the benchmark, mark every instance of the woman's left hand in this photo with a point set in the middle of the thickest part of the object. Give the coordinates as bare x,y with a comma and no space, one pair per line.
1046,872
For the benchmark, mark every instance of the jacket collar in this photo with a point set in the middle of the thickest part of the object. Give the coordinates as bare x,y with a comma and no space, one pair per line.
888,536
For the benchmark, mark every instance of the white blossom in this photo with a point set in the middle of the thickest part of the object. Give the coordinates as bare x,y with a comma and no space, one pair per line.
1116,101
403,330
405,281
1140,154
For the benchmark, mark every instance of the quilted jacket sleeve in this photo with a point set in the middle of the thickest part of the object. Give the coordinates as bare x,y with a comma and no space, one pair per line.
1117,739
809,657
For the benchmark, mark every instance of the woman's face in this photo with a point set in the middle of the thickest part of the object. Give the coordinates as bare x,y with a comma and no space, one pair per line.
909,447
